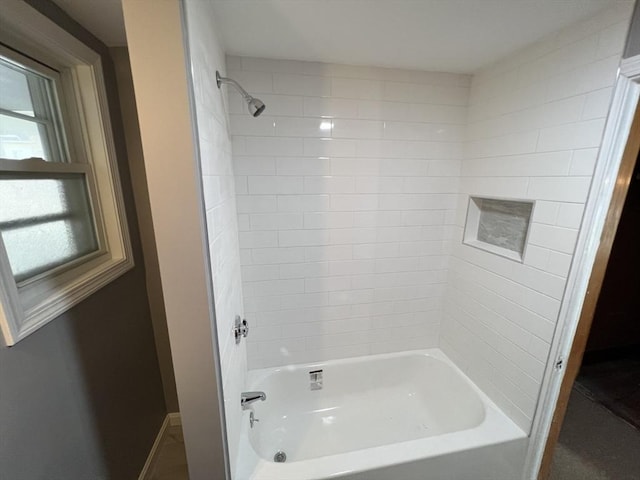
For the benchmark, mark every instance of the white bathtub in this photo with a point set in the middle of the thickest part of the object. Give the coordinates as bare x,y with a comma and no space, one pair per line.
401,416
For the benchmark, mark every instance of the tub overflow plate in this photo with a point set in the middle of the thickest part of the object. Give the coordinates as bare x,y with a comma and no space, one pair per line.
315,379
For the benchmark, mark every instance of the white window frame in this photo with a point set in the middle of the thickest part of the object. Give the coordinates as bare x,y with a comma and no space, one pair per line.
28,305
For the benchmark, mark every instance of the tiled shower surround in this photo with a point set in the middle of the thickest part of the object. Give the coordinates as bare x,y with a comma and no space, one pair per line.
206,56
535,124
346,190
352,191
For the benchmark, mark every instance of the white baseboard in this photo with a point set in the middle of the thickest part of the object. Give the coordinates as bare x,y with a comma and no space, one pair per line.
172,419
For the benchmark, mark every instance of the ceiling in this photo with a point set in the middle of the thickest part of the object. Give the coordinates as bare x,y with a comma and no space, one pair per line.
443,35
103,18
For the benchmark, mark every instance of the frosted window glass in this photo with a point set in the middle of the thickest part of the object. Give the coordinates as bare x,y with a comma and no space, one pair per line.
45,223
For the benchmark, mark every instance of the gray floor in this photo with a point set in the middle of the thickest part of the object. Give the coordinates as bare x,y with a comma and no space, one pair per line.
614,383
171,462
594,445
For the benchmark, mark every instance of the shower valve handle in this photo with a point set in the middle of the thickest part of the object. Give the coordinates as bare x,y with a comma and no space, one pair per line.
240,329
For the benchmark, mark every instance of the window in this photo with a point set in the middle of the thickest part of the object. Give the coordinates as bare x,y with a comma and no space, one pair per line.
29,112
63,232
46,213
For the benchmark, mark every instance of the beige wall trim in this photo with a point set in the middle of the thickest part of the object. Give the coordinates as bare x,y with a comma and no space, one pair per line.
120,56
158,63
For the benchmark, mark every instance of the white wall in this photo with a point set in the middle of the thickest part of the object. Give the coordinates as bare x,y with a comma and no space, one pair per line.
535,124
206,57
346,191
632,46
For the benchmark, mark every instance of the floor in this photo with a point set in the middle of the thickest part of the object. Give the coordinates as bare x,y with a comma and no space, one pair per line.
171,462
594,444
600,437
613,380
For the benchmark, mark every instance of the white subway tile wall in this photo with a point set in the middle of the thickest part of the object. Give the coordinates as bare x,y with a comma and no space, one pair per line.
346,190
218,185
535,124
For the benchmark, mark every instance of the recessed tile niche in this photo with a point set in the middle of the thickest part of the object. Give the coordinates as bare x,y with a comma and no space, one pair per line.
498,226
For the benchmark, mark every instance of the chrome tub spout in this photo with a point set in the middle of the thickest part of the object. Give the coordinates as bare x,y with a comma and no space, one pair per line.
247,398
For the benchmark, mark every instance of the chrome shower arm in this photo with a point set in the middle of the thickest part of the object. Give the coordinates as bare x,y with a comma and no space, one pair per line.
230,81
255,105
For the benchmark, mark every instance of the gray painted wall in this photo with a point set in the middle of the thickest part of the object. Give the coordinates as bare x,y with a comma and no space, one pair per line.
633,39
82,397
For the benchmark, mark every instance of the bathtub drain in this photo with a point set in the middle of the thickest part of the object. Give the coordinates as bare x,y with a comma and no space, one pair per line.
280,457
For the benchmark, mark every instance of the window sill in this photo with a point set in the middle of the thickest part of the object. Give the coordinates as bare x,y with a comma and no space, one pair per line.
64,298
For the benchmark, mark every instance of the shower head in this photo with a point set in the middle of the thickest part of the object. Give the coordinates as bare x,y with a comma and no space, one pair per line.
255,105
